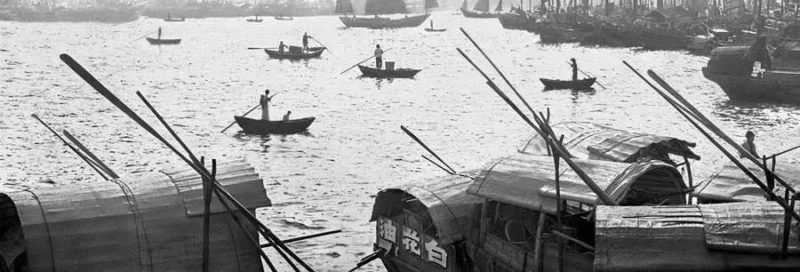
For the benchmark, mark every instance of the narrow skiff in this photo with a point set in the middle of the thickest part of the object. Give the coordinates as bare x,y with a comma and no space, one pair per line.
273,127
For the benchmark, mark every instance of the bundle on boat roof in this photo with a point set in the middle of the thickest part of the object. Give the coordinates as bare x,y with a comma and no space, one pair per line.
597,142
730,184
152,223
706,237
528,181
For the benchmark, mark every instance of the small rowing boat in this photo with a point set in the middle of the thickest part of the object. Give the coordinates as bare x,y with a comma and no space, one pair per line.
295,52
163,41
273,127
555,84
284,18
387,73
255,20
435,29
169,19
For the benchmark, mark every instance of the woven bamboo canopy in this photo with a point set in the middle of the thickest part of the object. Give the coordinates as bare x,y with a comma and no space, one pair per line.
150,223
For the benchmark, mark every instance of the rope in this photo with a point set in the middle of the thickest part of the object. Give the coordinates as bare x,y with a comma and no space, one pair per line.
145,260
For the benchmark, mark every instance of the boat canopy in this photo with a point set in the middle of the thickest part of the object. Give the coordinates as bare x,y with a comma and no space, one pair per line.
596,142
528,181
731,184
706,237
153,223
447,205
385,7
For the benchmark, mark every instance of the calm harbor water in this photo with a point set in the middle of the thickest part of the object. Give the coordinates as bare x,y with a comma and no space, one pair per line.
327,178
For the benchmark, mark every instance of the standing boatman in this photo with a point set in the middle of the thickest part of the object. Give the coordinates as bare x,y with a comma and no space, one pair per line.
378,56
305,41
280,47
574,69
159,32
265,99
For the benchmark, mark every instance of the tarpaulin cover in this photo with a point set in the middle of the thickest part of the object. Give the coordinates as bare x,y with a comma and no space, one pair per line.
731,184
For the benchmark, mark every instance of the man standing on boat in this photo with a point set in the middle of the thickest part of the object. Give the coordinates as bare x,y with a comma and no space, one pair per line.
286,116
378,56
159,33
749,145
265,99
280,47
574,69
305,41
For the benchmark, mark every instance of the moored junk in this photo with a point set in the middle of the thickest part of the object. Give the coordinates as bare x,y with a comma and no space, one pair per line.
706,237
591,141
151,222
501,219
378,7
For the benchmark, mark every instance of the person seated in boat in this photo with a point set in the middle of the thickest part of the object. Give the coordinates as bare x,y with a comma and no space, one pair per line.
280,47
749,145
305,41
286,116
574,69
378,56
159,33
265,99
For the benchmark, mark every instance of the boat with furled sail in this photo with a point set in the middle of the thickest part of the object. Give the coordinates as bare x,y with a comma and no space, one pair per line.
379,7
481,10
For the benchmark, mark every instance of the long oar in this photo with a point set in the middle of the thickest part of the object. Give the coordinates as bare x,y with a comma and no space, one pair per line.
243,115
585,74
351,67
81,155
783,152
326,48
145,35
687,114
305,237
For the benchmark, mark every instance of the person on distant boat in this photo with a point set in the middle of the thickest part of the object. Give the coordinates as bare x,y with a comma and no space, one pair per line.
159,33
378,56
168,17
305,41
280,47
574,69
431,24
265,99
749,145
286,116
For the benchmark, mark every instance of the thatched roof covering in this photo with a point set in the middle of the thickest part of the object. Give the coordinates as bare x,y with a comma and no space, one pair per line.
145,223
730,184
529,181
712,237
596,142
448,205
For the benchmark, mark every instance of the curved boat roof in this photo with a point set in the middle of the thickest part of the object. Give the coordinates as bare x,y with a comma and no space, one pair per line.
528,181
731,184
445,198
597,142
153,223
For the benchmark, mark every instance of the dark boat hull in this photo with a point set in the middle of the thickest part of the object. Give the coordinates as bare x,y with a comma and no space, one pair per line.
581,84
483,15
435,29
174,20
163,41
781,87
313,52
273,127
397,73
412,21
282,18
516,21
255,20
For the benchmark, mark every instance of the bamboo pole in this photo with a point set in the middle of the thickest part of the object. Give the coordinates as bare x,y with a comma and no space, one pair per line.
705,121
685,113
556,148
91,155
410,134
88,161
